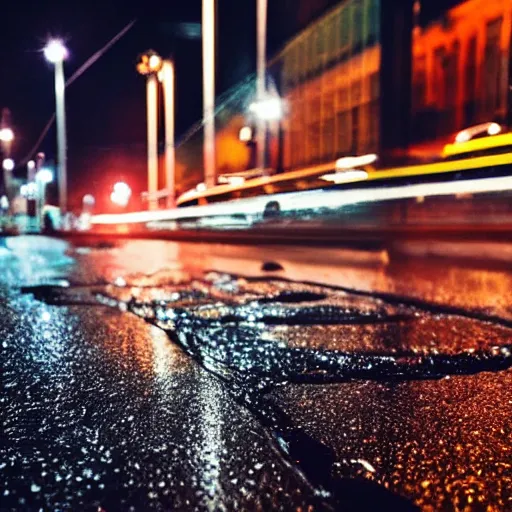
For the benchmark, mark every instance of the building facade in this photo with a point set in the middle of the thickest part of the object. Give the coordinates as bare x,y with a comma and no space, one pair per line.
330,80
461,69
366,76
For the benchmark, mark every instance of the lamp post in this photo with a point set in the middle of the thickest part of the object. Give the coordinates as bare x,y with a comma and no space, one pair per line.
149,65
167,78
55,52
270,109
208,28
6,138
260,80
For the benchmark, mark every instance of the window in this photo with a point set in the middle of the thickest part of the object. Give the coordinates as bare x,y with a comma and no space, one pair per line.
344,132
356,96
356,122
372,9
296,147
470,71
419,83
345,29
320,43
439,78
343,99
491,64
311,53
288,68
357,25
375,85
315,109
331,41
374,127
364,128
452,66
328,129
328,138
314,141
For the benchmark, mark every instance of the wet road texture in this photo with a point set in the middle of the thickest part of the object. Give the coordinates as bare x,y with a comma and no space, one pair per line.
130,383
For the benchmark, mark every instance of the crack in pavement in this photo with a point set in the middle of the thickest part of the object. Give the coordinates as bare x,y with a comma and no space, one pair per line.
226,339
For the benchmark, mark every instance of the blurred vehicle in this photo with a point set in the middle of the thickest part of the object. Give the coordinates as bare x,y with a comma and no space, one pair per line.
480,151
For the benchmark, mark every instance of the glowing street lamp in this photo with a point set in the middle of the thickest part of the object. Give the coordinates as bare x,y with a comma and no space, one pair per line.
245,134
121,194
88,201
55,52
44,176
150,65
6,135
8,164
268,109
6,138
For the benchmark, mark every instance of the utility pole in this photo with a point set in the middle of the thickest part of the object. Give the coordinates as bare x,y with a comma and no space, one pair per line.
208,30
61,135
261,17
170,158
152,112
55,52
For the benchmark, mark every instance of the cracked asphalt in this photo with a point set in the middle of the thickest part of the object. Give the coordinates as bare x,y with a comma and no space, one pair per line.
132,379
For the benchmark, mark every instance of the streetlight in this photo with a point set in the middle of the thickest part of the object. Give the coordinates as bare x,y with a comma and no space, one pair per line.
6,138
208,29
6,135
149,65
166,76
121,194
44,176
267,109
261,19
245,134
8,167
55,52
8,164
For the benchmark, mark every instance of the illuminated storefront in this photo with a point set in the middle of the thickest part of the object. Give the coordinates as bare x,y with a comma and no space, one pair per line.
461,68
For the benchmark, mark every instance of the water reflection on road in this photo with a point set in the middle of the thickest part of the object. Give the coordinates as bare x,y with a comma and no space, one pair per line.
152,382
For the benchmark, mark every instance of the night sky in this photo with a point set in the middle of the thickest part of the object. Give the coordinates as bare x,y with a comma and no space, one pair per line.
106,106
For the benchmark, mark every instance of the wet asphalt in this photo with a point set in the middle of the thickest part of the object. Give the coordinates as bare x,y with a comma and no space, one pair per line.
131,381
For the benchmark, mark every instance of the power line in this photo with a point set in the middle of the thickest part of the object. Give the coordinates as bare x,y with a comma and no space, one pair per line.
79,72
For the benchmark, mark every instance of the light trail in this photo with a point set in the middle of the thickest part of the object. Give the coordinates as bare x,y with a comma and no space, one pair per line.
308,200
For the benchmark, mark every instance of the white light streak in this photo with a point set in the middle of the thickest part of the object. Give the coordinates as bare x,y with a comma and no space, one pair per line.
322,198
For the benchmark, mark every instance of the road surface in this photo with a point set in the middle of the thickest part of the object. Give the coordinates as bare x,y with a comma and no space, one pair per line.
137,375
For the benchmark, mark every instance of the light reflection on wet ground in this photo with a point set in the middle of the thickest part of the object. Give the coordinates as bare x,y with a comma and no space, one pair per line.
104,409
445,443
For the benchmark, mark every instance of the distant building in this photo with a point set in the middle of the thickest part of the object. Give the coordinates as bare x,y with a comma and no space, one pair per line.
461,68
365,76
331,75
